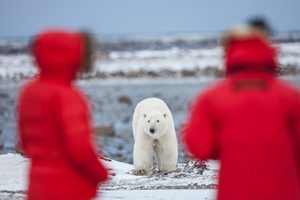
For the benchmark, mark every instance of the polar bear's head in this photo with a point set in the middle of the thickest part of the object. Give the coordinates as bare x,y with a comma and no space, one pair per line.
155,124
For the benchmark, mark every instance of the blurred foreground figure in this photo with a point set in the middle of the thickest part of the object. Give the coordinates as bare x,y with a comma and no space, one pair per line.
250,122
54,122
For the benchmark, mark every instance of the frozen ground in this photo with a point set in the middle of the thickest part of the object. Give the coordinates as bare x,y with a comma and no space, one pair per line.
108,110
194,181
185,183
173,62
205,194
124,77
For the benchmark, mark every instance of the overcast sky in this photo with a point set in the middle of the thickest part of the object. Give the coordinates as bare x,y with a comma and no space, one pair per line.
24,18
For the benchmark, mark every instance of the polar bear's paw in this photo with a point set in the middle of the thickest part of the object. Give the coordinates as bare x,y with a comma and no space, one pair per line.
139,172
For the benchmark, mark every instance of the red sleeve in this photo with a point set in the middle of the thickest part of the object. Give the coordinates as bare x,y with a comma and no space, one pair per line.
296,125
76,136
199,133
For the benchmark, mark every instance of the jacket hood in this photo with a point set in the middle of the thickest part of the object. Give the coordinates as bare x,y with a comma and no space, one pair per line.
58,54
248,49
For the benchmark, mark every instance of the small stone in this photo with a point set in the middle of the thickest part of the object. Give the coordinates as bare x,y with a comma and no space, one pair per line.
104,131
4,95
124,99
126,119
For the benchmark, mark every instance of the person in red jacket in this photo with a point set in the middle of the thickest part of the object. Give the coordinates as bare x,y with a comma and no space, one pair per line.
250,121
54,121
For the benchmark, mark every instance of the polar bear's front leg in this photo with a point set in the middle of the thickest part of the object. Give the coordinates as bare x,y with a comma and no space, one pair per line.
168,157
158,153
168,162
142,157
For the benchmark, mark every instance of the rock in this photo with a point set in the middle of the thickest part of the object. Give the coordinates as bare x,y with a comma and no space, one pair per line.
4,95
157,95
104,131
188,73
126,119
124,99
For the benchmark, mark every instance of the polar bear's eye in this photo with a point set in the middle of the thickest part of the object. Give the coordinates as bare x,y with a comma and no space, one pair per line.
157,120
148,120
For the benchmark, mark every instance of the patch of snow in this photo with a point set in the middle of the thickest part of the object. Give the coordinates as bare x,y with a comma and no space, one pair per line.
13,172
159,194
123,185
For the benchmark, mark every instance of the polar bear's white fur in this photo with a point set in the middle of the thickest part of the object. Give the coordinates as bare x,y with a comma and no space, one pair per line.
153,130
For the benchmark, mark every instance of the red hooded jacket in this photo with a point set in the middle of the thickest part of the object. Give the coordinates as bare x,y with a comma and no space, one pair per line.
54,123
251,123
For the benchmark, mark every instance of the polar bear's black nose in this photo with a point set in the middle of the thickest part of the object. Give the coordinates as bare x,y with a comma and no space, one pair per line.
152,130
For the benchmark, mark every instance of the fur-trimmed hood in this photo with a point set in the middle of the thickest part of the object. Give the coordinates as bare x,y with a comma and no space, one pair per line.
248,48
60,54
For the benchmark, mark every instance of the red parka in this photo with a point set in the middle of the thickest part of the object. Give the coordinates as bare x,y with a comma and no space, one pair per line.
251,123
54,123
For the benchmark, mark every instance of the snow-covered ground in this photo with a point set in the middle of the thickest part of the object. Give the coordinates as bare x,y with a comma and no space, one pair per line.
173,62
194,182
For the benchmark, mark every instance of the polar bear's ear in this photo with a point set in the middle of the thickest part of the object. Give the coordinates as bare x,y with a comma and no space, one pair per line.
165,115
145,115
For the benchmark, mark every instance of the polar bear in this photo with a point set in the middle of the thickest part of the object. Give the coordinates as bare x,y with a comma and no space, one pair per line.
153,130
